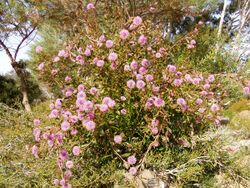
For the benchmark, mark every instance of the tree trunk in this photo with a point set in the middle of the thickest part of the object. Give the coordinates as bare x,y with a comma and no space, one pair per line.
222,18
220,27
21,73
169,30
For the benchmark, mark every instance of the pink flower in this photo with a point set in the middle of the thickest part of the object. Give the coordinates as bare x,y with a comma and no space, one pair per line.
201,110
81,94
210,78
178,82
123,98
113,65
145,63
131,84
74,131
158,102
137,21
74,119
54,113
181,102
215,108
200,22
67,176
34,151
90,125
188,78
155,89
140,84
36,133
134,65
133,171
193,42
109,43
56,59
65,125
203,93
93,91
142,70
150,102
80,87
127,68
155,122
37,122
63,183
154,130
139,77
69,164
149,78
63,155
199,101
158,55
196,81
41,66
100,63
39,49
87,106
88,52
123,111
246,90
118,139
58,104
103,107
90,6
206,86
131,160
63,53
68,93
171,68
56,182
124,34
142,40
68,78
190,46
102,38
54,72
108,101
76,150
112,56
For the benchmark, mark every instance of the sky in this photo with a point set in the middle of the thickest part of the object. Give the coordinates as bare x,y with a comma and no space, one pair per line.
5,65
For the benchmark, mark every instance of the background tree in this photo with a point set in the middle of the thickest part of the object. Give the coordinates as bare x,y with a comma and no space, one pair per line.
15,21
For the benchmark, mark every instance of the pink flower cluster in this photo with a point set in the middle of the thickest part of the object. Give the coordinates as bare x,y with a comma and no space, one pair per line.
122,85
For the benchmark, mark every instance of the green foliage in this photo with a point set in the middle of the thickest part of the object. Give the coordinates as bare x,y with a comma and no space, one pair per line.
10,91
204,57
10,94
19,169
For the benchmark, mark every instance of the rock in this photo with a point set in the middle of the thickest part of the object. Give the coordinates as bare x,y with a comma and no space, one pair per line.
146,179
224,120
242,120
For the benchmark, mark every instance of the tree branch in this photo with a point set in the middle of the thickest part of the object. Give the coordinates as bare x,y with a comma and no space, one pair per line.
7,51
22,41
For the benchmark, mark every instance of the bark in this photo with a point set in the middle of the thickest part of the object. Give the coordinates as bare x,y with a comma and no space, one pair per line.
22,74
220,27
222,18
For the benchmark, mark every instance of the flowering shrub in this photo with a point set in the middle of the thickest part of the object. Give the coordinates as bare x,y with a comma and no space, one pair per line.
122,99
